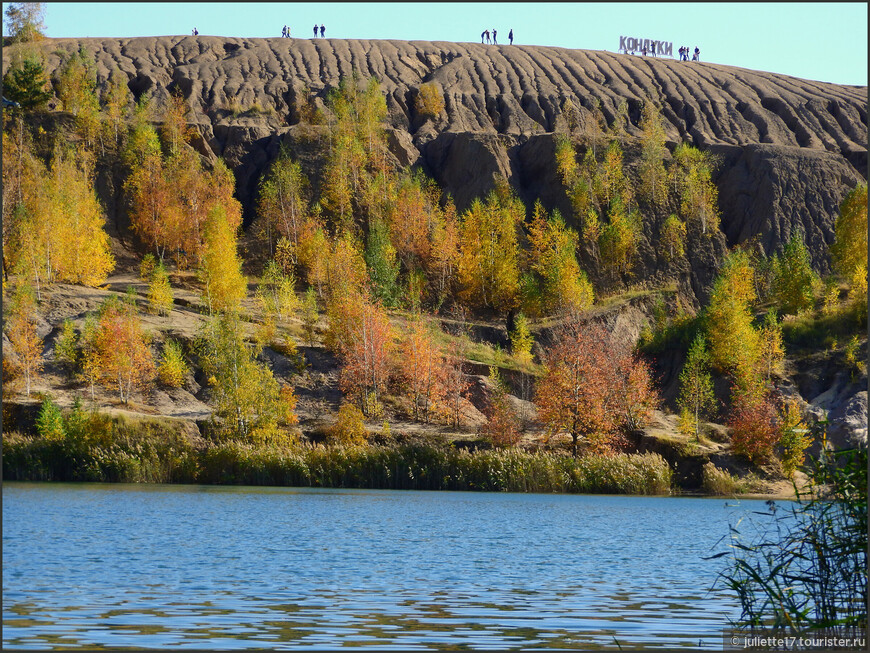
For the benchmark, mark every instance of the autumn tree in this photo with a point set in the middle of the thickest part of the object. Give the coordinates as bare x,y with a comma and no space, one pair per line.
365,355
346,274
66,350
443,263
575,392
456,385
795,284
794,435
249,402
488,254
502,427
150,191
422,370
636,396
771,354
25,343
173,368
160,299
59,235
77,90
691,177
349,428
696,399
849,250
224,284
429,101
755,427
522,340
276,292
673,238
174,130
121,349
734,341
282,201
116,99
310,314
653,175
560,283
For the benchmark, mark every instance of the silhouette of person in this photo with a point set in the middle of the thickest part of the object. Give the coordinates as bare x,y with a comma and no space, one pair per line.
511,36
487,36
195,33
697,56
482,35
322,31
315,31
288,32
493,37
643,51
284,32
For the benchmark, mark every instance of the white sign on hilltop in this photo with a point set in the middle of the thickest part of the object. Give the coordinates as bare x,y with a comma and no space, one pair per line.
630,44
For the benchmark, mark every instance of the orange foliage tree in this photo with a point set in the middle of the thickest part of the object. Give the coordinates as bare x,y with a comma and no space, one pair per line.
422,370
25,343
593,386
122,350
365,355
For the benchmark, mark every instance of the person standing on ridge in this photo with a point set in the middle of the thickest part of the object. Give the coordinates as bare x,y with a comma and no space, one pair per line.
322,31
315,31
494,42
511,36
487,36
697,55
482,34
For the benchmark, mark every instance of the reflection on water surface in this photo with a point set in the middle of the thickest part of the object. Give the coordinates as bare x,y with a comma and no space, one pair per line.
234,568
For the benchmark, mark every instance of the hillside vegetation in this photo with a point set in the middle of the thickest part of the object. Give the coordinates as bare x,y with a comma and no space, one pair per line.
351,302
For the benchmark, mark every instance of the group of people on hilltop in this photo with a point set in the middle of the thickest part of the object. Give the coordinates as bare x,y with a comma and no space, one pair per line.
285,33
485,36
322,31
684,54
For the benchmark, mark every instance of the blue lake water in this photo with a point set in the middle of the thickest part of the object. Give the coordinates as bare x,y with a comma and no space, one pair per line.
208,567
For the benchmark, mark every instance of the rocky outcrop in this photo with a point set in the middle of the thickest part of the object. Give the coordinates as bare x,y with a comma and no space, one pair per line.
789,148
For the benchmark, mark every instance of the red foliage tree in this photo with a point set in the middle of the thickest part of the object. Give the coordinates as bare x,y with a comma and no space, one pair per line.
755,428
366,354
593,386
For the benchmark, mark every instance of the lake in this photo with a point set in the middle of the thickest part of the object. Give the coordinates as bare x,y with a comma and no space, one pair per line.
218,567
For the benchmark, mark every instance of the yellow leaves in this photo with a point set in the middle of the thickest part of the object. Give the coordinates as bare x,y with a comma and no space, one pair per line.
160,297
849,250
26,345
488,256
673,238
225,285
349,428
429,102
60,236
173,367
553,263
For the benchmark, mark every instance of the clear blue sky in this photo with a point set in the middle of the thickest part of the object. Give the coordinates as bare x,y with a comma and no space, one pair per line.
821,41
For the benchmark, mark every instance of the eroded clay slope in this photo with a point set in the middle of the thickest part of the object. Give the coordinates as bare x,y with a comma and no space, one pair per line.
790,148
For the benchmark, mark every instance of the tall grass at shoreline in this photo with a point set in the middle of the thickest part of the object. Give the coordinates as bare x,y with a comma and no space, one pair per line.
148,458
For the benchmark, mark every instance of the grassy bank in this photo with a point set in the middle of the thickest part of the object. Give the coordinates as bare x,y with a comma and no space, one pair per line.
139,456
